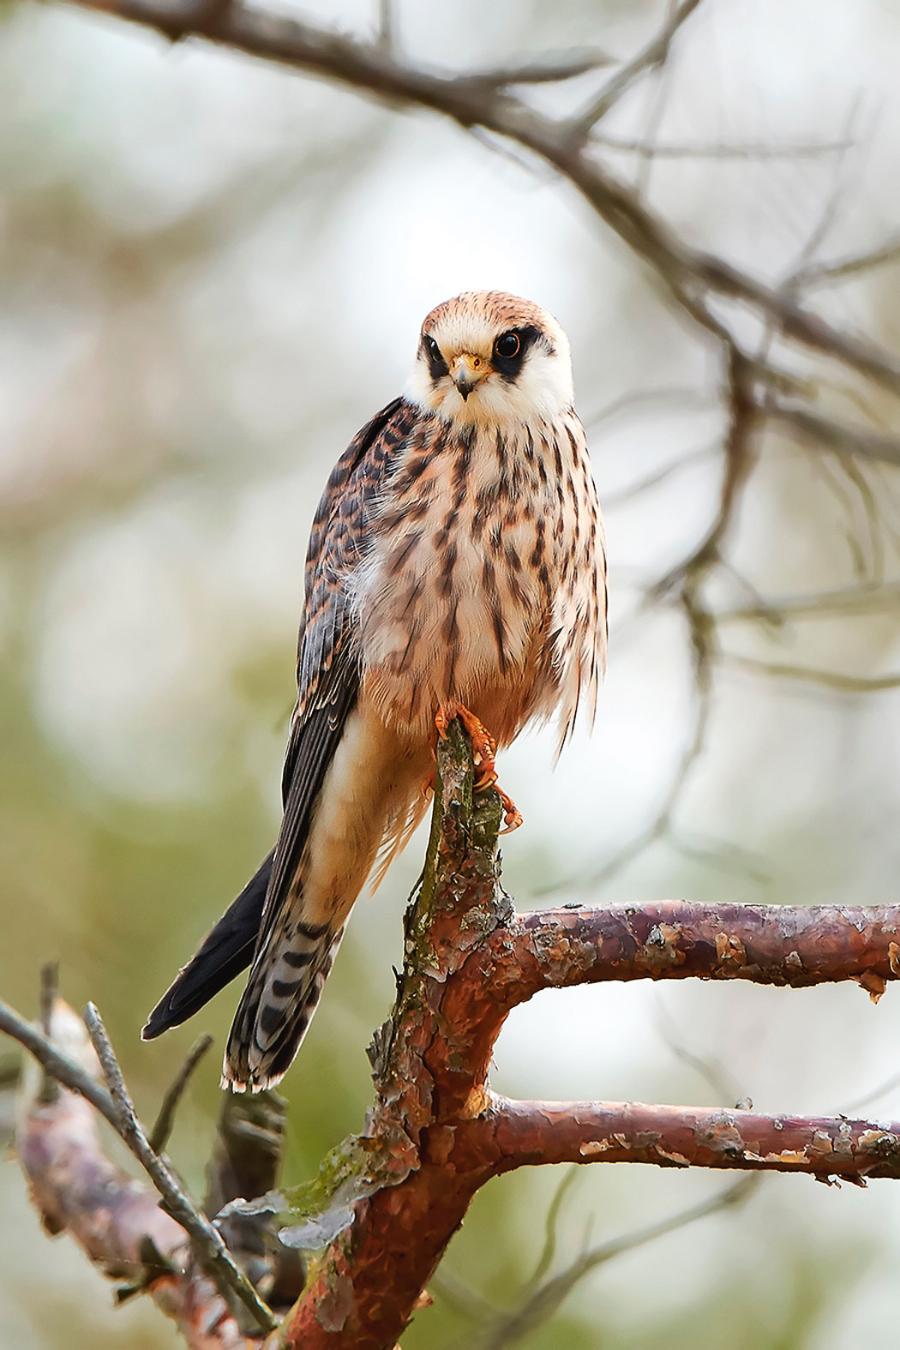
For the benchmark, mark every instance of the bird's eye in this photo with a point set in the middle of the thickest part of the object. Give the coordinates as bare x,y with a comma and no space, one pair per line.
434,350
507,346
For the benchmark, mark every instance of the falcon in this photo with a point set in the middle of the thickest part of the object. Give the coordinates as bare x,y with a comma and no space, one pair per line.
456,568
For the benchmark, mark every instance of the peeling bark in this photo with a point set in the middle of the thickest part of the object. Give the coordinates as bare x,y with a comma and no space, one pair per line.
526,1133
436,1133
790,945
469,961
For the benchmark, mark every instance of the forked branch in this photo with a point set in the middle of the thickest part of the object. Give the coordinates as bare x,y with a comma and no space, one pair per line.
436,1133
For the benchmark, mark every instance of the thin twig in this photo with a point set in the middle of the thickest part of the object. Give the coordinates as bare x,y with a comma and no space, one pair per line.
829,679
545,1300
165,1120
550,68
650,57
756,150
851,600
386,24
613,499
828,433
57,1064
49,992
208,1243
843,269
551,1225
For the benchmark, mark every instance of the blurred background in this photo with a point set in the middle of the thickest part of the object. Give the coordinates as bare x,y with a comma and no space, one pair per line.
213,271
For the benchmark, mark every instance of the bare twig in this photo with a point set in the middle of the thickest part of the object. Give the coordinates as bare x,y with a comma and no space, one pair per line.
116,1220
551,1223
208,1243
64,1069
165,1120
756,150
844,269
828,433
851,600
688,274
652,480
837,680
49,994
386,24
550,68
650,57
545,1299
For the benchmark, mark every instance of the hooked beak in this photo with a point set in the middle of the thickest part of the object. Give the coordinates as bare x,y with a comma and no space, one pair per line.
466,370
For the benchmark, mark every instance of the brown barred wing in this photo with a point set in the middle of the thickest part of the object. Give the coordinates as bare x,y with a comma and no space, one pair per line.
327,657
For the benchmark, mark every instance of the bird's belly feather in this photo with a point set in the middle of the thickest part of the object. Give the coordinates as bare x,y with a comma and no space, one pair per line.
476,633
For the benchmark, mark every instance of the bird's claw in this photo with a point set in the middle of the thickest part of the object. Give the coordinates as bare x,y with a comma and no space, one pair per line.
484,750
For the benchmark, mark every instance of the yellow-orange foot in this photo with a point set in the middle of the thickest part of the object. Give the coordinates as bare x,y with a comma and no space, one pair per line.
484,750
512,816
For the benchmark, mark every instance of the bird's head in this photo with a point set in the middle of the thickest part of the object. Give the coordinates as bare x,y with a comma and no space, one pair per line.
486,356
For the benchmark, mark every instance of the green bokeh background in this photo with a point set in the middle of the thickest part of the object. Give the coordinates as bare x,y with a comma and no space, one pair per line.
212,272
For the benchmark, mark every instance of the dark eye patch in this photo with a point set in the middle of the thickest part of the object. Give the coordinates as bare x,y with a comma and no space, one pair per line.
508,366
436,363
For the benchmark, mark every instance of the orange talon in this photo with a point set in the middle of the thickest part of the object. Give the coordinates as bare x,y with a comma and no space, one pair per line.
512,816
484,749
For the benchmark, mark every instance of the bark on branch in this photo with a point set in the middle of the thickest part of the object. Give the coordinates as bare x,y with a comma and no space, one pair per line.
436,1133
791,945
469,961
522,1134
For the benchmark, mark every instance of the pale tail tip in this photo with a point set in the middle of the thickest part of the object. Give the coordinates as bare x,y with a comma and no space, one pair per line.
253,1085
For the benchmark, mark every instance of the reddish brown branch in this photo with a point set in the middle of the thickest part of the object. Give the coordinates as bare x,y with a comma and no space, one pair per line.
521,1134
789,945
469,961
436,1134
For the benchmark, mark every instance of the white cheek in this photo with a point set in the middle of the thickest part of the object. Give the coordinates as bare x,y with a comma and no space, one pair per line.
546,382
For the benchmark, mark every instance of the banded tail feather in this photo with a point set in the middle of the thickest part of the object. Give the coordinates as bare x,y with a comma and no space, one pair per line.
276,1008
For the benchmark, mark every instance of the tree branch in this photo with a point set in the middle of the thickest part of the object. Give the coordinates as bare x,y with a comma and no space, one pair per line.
469,960
208,1241
395,1195
543,1299
522,1134
473,100
651,57
117,1108
117,1221
788,945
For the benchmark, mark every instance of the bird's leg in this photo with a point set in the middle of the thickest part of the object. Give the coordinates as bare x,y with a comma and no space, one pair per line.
484,749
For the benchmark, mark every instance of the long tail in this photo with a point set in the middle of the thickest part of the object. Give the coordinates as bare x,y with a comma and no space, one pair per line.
224,953
283,991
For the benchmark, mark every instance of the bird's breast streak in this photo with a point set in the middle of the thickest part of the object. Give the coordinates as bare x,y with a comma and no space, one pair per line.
455,597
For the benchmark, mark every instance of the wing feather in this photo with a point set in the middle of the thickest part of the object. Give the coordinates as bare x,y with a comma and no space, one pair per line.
327,686
327,652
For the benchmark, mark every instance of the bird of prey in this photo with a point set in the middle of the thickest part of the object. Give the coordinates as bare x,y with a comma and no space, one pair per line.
456,567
